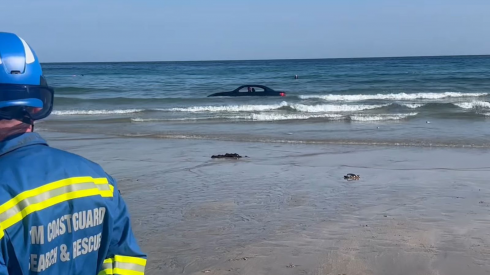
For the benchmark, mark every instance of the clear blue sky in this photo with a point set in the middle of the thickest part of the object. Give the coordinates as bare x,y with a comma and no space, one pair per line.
151,30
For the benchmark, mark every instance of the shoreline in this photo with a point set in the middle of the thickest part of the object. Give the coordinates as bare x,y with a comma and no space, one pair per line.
287,209
272,140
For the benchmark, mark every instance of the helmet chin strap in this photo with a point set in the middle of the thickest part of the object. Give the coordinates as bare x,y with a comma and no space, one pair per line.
28,120
21,115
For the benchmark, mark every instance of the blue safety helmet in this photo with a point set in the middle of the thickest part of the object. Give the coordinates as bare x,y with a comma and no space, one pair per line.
24,92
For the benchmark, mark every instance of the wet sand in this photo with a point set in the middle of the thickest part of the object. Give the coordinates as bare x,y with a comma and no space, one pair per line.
287,209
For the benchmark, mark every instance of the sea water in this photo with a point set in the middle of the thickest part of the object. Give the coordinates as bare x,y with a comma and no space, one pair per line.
412,101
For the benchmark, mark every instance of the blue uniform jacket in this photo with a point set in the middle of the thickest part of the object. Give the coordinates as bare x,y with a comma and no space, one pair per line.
61,214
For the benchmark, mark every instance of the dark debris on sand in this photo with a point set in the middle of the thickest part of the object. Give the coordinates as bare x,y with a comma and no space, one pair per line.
352,176
227,155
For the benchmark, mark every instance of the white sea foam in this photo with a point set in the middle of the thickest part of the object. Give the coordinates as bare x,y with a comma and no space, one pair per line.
276,117
333,108
413,106
137,119
96,112
399,96
260,108
228,108
381,117
474,104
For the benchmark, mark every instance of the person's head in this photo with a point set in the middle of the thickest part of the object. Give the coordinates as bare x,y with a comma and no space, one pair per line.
24,93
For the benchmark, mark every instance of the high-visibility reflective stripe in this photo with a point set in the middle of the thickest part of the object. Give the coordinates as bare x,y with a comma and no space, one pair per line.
129,260
50,194
50,186
119,271
128,266
124,265
109,261
106,272
107,266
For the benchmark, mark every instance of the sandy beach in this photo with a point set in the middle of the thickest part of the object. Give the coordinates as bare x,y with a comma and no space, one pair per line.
307,92
286,209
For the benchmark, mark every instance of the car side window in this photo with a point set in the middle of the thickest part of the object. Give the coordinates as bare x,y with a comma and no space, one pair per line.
251,89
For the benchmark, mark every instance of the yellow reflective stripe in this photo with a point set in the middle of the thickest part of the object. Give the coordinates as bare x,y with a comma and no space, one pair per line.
130,266
50,194
130,260
106,266
106,272
124,265
48,187
108,261
45,204
127,272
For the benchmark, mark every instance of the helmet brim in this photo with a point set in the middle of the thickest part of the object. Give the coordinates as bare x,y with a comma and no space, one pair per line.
36,100
28,102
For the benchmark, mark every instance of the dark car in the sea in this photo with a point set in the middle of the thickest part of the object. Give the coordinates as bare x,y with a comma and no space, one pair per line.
251,90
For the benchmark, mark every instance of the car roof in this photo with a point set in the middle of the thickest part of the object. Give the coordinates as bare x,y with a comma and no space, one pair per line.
253,85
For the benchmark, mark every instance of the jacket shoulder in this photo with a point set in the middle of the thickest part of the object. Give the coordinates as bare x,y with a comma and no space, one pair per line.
75,159
46,164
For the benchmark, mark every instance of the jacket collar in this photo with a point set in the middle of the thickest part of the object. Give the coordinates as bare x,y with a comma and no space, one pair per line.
20,141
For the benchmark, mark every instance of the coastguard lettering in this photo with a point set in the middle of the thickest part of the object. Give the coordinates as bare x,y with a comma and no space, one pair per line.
56,228
66,224
86,245
87,219
68,218
37,234
42,262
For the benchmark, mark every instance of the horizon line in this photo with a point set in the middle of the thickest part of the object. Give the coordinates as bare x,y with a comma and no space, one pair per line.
276,59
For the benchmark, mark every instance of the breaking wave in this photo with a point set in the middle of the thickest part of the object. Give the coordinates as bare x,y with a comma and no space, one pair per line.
399,96
381,117
413,106
284,110
230,108
334,108
284,117
276,117
96,112
284,105
473,105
